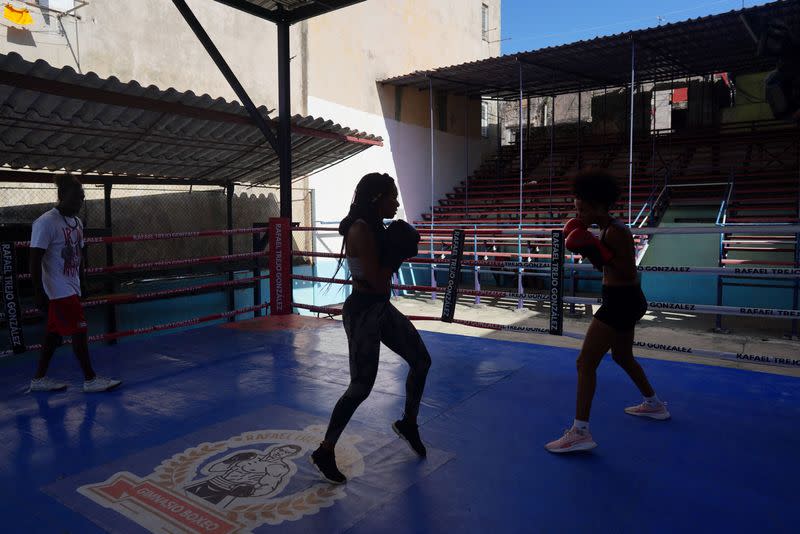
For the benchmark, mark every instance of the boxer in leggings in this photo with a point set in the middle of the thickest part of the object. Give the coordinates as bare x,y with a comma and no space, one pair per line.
623,305
373,253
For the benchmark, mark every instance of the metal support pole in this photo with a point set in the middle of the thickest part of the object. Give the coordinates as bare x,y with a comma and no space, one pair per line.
630,146
498,165
466,148
110,285
433,213
520,304
285,120
259,243
231,275
718,320
528,129
796,293
552,148
226,71
477,269
580,163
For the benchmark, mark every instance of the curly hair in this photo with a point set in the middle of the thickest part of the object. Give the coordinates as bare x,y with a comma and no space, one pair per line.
596,186
370,189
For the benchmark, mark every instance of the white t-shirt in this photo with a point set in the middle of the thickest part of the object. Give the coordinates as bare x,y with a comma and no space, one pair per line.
62,239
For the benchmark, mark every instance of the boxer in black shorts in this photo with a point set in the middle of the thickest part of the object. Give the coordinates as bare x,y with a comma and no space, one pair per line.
373,253
623,305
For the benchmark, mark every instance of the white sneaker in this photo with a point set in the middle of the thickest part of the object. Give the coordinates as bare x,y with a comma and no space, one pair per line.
653,411
572,440
46,384
99,384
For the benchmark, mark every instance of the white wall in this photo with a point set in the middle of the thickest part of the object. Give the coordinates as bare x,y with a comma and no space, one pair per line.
406,155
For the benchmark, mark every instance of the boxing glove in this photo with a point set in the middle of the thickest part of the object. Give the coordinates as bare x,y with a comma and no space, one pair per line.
587,245
572,225
400,241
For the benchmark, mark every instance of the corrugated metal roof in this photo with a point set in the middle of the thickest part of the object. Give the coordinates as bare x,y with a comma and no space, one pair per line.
705,45
56,119
286,4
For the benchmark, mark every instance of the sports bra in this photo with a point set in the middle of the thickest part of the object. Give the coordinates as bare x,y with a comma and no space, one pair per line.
356,268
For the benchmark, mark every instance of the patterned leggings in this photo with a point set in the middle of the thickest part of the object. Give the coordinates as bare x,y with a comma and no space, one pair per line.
368,321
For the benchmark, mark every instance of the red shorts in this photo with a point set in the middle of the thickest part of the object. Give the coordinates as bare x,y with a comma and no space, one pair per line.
65,316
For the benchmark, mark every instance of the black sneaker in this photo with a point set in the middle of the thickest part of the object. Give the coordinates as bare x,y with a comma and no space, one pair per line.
409,432
325,461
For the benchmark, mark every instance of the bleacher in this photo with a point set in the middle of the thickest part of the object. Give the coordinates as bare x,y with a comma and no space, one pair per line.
748,171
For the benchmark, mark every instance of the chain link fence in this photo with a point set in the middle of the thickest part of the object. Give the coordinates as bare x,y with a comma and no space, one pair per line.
137,209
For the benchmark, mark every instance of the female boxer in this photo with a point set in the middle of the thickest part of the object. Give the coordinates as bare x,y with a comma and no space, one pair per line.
623,305
373,252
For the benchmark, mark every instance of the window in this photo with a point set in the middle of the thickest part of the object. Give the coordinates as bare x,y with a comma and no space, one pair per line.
484,21
485,120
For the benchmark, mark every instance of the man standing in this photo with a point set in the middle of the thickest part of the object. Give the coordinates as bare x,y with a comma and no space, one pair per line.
57,269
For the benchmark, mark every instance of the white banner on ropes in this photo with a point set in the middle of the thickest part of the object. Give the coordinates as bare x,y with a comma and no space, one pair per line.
701,308
782,361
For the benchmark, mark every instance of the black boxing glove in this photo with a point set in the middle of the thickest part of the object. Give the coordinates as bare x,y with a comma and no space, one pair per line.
400,242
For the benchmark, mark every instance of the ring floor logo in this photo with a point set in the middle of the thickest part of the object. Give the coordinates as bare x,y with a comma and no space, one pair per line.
229,486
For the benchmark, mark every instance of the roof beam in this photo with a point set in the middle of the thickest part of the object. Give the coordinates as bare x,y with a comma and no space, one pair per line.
226,71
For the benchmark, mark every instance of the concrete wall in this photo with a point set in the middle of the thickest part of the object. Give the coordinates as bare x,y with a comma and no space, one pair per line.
350,49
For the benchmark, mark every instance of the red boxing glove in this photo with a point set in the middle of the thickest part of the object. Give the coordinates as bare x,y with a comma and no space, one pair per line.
572,225
587,245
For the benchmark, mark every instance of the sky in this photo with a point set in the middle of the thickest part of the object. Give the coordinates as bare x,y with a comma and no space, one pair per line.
533,24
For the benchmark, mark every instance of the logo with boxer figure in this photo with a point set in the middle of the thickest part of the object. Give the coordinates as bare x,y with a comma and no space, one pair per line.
230,486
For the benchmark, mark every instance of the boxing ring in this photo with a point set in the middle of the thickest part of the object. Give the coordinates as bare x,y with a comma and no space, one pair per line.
225,401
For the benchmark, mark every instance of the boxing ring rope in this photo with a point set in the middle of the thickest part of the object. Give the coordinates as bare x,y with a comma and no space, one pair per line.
155,295
159,236
523,266
777,361
761,272
167,263
544,297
